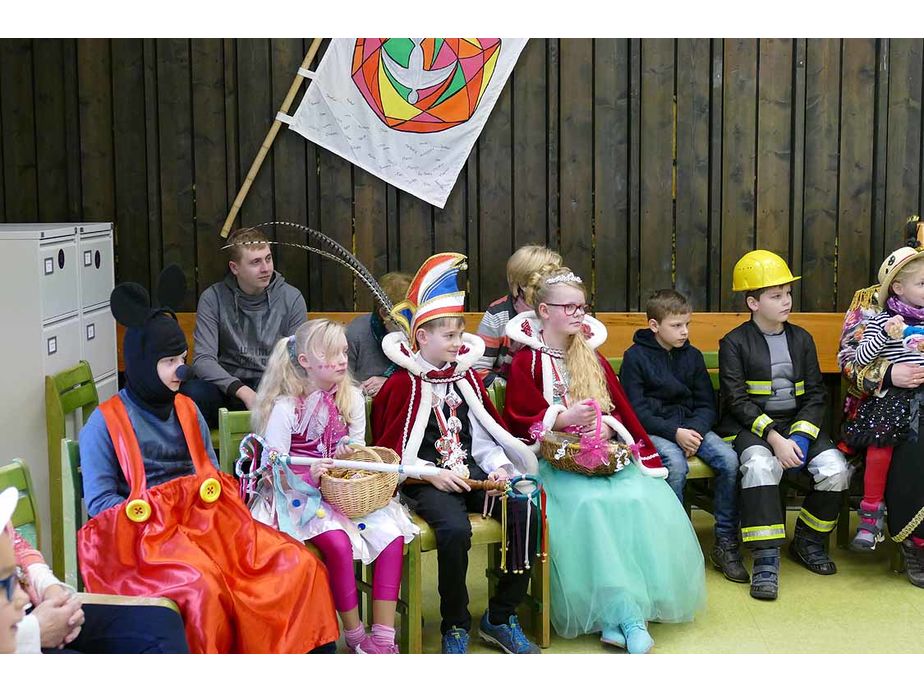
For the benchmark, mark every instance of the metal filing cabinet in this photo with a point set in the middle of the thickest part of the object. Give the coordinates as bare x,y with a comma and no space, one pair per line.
54,311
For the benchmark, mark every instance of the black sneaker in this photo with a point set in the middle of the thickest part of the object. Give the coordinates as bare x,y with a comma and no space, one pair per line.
914,562
726,556
765,582
812,554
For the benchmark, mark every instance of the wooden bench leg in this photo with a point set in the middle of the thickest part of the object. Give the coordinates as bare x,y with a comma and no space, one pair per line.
493,570
843,521
412,619
542,601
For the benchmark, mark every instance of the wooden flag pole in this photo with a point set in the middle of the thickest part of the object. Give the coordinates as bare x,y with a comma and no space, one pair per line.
268,140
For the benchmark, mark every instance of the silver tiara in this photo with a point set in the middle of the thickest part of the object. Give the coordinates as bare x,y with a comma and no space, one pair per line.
564,278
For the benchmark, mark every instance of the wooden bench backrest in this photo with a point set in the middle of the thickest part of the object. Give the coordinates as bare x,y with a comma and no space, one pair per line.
706,329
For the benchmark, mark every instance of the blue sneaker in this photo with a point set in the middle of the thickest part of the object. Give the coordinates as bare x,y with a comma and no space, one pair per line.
638,639
455,641
613,636
508,636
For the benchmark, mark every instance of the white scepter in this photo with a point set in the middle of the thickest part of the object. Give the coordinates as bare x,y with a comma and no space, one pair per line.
251,452
413,471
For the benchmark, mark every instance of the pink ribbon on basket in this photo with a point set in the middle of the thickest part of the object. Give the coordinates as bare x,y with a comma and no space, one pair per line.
537,430
594,449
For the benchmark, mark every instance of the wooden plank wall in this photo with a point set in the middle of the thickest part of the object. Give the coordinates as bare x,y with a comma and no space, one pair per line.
646,162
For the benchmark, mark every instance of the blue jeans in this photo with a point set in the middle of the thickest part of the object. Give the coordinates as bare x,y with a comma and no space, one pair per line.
721,457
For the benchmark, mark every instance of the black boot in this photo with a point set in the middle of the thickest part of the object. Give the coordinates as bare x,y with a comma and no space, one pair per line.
808,548
914,562
765,582
726,556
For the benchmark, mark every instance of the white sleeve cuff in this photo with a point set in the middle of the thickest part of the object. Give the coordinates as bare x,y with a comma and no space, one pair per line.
497,460
41,578
28,636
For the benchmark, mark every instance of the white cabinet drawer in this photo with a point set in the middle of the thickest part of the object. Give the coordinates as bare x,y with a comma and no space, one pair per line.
98,337
57,271
60,345
96,270
107,387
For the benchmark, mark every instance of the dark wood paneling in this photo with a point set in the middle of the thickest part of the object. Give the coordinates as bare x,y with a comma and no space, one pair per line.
646,162
822,115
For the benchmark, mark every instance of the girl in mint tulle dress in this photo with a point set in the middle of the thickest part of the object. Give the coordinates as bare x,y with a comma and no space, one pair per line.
623,551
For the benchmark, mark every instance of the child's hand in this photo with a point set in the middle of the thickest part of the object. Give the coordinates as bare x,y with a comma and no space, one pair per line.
894,327
371,386
580,414
787,452
499,474
60,619
607,433
320,468
688,440
449,482
343,447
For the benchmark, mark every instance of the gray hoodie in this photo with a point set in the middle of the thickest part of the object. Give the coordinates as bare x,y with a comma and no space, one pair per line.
235,332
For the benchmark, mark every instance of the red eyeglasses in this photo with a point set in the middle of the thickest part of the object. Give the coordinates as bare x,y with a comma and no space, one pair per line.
572,308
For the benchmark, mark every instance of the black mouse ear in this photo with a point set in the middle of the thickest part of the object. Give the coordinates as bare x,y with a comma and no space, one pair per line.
171,287
130,304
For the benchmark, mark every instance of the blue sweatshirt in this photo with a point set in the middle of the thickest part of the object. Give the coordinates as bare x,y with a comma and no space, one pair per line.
163,448
668,389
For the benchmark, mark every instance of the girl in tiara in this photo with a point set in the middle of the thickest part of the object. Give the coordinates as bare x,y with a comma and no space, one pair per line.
623,551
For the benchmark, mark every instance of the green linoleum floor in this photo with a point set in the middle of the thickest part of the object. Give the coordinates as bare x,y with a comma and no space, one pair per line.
864,608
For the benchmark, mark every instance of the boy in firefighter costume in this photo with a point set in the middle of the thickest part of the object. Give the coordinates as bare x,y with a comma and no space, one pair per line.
434,410
774,405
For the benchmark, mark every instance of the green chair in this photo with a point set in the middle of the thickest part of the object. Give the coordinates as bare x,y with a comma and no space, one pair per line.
26,522
66,392
25,516
485,532
498,394
232,427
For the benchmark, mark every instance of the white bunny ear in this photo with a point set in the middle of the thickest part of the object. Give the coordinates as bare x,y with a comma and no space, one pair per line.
171,287
130,304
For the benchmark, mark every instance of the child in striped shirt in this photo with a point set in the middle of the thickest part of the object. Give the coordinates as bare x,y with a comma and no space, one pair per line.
498,353
889,417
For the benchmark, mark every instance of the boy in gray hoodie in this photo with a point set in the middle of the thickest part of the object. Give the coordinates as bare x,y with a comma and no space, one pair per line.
238,322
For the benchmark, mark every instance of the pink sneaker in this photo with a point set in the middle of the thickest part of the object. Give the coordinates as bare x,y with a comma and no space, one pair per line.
370,646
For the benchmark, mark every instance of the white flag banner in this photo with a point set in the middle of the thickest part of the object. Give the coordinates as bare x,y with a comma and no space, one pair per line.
406,110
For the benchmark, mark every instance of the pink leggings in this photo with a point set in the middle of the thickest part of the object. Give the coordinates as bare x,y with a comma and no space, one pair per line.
338,557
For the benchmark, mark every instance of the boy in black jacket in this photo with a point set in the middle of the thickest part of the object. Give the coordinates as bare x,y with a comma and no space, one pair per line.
666,380
773,402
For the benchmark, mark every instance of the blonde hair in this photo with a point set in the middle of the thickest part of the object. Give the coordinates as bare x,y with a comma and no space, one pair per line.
395,285
285,378
587,380
904,274
526,261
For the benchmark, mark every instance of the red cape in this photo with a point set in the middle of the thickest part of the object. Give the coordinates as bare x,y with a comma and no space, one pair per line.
394,408
526,405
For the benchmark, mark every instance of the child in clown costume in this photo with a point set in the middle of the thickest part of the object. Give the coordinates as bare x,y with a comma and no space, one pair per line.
434,410
623,551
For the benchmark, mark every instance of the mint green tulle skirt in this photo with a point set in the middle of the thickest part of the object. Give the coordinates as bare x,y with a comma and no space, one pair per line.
621,549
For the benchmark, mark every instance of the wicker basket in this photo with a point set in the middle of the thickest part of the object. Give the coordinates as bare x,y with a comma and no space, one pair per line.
560,449
357,493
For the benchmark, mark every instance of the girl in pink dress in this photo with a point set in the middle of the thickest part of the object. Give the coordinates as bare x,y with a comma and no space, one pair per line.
308,406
